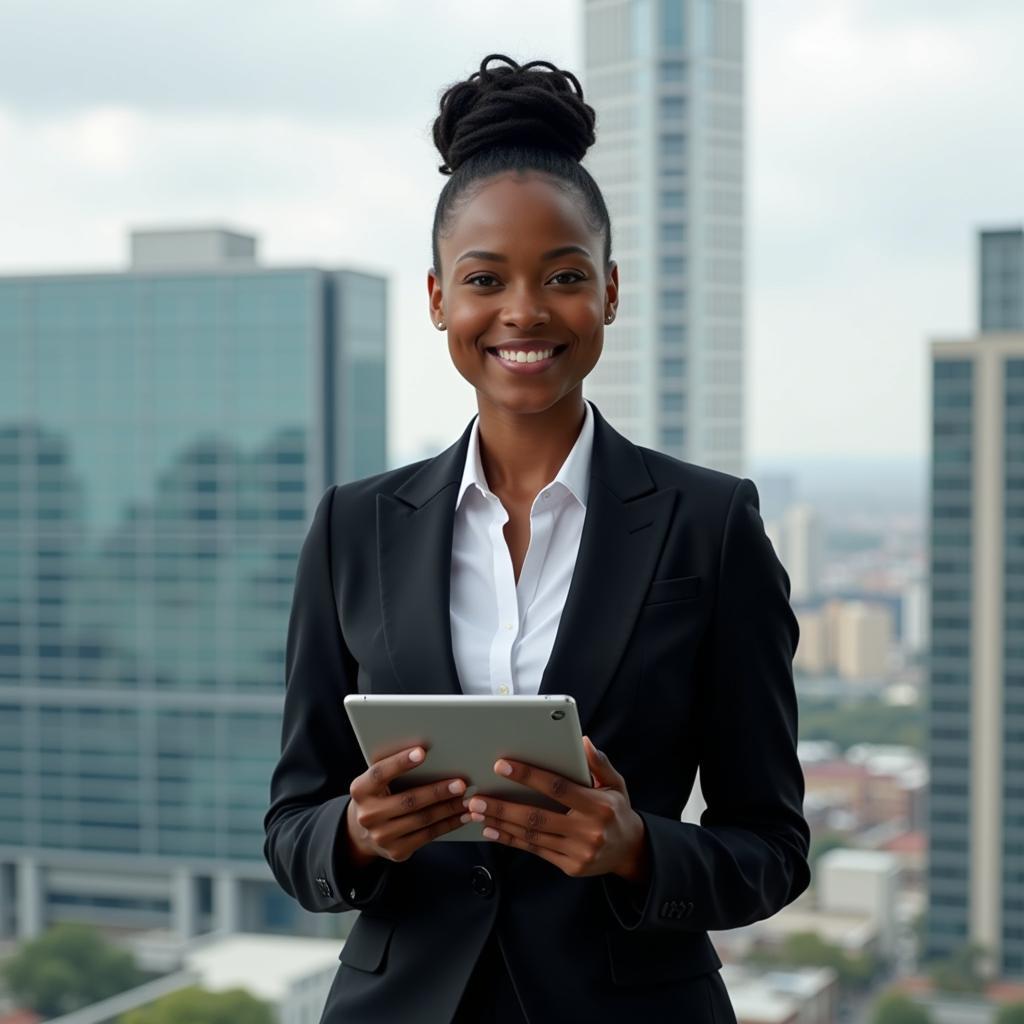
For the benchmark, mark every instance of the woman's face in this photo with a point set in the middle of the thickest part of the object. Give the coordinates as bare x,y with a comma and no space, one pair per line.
522,271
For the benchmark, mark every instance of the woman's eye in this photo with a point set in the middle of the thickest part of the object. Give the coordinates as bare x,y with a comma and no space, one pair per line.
573,275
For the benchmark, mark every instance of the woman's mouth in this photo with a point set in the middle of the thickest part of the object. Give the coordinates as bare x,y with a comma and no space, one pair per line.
518,361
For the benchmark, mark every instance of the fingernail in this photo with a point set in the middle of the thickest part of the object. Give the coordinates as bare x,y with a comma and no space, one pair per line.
490,833
476,804
504,767
465,818
456,787
416,755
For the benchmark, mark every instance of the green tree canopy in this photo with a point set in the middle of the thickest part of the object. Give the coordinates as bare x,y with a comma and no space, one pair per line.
896,1008
959,972
1011,1013
69,966
194,1005
808,949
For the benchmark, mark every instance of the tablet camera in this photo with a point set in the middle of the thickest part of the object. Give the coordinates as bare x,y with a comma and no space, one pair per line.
556,715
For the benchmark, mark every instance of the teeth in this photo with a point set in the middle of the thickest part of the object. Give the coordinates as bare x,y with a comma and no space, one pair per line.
525,357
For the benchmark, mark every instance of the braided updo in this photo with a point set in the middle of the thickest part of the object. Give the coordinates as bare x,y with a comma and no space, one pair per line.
514,118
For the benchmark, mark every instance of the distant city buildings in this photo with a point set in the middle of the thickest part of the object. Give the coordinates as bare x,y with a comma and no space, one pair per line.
666,78
801,535
165,434
850,638
976,668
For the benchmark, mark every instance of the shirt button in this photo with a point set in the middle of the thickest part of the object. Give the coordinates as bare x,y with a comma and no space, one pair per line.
503,688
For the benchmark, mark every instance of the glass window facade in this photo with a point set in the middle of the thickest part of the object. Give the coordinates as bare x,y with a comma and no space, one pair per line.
1001,288
163,441
949,722
1013,668
670,159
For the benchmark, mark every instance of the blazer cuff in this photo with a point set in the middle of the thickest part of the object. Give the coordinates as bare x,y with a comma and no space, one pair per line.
357,886
629,900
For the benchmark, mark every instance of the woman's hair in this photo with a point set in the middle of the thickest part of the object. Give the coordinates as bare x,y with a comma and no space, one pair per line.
514,118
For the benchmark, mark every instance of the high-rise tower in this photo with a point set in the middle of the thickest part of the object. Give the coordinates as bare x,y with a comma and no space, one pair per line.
976,685
666,78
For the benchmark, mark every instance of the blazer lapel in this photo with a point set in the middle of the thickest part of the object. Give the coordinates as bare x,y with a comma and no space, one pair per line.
414,551
623,533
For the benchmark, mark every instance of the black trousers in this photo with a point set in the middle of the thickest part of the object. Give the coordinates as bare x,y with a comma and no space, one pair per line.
489,997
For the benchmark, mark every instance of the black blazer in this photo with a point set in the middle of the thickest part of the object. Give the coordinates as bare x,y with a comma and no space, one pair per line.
677,642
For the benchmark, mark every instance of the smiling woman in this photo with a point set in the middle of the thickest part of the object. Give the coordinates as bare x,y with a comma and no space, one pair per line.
541,553
522,278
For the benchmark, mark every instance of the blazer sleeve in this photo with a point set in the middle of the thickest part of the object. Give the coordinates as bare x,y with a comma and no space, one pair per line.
748,856
320,756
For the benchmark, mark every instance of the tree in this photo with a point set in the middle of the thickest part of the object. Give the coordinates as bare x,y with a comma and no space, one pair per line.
70,966
194,1005
808,949
1011,1013
896,1008
960,971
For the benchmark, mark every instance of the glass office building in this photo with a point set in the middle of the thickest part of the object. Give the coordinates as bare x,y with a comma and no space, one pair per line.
666,78
976,673
1001,280
165,434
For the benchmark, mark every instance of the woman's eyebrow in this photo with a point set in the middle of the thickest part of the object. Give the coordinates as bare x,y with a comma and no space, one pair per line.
480,254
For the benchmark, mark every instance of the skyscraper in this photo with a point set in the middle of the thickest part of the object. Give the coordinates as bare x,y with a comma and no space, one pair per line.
165,434
976,691
1001,280
666,79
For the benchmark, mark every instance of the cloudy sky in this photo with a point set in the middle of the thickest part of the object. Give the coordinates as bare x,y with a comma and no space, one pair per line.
882,135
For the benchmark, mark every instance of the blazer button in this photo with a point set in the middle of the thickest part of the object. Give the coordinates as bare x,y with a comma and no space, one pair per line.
481,880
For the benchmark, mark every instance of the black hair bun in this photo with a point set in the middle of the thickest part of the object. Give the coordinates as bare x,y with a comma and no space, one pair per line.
513,105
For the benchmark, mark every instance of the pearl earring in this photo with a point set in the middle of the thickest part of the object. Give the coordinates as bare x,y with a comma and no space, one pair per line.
609,318
440,325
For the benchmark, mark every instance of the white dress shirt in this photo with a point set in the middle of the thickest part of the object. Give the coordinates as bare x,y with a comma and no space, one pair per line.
503,631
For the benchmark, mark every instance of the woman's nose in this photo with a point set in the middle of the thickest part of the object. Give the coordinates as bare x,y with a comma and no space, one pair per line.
525,313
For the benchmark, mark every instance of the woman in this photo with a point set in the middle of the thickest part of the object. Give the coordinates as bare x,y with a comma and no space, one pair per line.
542,552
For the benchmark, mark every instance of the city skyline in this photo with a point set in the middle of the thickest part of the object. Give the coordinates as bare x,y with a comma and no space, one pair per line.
863,202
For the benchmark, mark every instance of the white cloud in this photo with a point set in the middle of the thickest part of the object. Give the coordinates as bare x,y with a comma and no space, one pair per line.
881,136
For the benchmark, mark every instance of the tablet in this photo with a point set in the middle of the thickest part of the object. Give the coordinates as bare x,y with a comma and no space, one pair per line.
465,734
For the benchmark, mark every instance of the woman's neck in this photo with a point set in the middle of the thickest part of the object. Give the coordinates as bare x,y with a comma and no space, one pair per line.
522,452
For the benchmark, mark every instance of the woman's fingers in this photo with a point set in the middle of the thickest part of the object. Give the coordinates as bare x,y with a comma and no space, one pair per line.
405,847
558,787
374,781
567,863
377,810
534,840
391,827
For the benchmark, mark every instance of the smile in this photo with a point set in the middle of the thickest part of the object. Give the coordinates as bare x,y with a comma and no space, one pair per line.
526,362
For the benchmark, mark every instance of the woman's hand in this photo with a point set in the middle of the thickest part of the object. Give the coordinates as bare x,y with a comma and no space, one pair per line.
600,834
394,826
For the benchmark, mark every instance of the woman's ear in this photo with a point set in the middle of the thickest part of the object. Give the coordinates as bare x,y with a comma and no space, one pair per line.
434,297
611,288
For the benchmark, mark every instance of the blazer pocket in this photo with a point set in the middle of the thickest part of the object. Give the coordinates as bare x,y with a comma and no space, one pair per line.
643,958
677,588
367,943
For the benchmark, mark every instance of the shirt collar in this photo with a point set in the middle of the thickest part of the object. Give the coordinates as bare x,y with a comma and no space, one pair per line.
574,475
